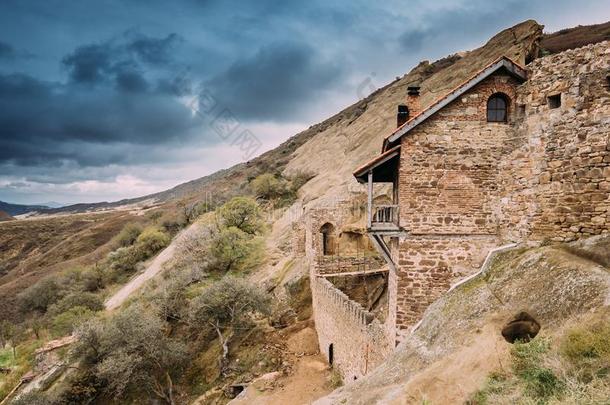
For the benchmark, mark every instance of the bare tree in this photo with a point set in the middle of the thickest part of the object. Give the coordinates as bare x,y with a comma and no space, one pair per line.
225,306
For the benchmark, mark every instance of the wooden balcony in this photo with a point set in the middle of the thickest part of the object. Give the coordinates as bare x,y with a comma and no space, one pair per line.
385,217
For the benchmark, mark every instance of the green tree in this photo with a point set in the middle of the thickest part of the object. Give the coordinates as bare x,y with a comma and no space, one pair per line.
132,353
227,305
232,249
242,213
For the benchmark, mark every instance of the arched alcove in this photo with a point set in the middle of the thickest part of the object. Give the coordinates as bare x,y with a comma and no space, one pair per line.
328,245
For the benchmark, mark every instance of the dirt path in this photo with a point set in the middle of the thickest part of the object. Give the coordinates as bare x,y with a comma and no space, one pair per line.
308,381
152,270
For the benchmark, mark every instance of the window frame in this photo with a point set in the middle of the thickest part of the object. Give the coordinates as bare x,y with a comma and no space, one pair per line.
495,109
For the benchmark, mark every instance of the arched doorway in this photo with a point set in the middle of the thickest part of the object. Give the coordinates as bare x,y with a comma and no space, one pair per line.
328,239
330,354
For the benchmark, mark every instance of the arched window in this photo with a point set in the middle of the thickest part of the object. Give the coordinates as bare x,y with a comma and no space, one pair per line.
497,108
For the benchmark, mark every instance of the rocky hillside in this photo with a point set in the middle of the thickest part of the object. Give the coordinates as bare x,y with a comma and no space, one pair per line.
458,345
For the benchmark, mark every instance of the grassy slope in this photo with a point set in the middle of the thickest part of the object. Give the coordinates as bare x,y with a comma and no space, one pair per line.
34,248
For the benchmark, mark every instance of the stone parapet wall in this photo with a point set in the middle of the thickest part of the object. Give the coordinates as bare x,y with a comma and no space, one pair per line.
359,341
325,265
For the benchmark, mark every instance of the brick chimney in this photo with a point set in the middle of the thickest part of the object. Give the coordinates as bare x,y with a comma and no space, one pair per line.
413,99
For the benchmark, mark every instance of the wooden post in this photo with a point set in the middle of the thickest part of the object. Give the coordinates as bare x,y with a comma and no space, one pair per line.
370,199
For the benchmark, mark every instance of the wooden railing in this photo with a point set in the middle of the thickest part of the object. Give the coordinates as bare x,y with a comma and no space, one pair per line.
385,215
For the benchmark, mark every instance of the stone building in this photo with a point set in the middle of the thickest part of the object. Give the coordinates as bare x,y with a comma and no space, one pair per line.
513,154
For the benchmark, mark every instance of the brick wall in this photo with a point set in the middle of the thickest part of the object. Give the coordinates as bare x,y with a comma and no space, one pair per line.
359,341
466,185
557,183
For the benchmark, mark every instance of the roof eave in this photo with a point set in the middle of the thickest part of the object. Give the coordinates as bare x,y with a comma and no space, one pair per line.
504,62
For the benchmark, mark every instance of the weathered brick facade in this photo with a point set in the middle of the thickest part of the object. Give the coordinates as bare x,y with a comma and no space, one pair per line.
465,186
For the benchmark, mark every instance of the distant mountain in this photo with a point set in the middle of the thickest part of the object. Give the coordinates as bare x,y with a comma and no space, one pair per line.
5,217
18,209
51,204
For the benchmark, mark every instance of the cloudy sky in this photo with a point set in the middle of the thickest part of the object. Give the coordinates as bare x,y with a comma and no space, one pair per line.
103,100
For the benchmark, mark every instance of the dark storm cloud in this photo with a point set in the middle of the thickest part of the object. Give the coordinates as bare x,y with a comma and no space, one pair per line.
155,51
276,83
110,81
42,122
6,51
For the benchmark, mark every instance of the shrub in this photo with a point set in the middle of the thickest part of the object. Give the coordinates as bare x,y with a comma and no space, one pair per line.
173,221
128,235
194,210
299,179
41,295
151,240
242,213
66,322
131,352
92,279
267,186
125,259
234,250
77,299
587,343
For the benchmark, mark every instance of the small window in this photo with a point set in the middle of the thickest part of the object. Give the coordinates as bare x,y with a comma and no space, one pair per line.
554,101
497,108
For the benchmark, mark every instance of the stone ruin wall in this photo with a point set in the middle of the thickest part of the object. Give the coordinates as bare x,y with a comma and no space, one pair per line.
557,183
359,341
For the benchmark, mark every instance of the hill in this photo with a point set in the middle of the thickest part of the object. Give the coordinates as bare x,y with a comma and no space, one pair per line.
5,217
576,37
19,209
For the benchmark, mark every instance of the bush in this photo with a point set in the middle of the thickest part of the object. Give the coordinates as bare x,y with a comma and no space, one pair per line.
590,343
299,179
234,250
77,299
267,186
41,295
125,259
151,240
173,221
132,353
66,322
128,235
195,210
242,213
92,279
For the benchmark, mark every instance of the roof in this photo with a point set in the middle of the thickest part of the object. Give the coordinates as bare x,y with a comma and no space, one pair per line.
361,172
503,62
